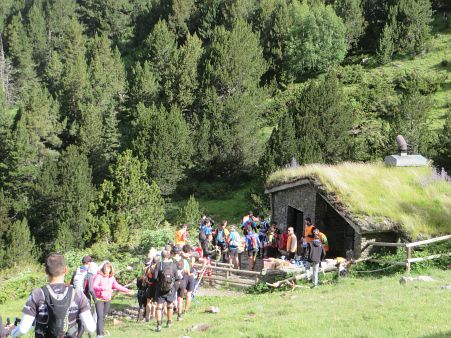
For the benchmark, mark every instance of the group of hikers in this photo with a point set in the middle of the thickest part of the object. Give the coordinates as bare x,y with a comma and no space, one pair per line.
167,283
258,238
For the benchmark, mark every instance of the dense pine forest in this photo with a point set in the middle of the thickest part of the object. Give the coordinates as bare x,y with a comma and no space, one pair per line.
110,110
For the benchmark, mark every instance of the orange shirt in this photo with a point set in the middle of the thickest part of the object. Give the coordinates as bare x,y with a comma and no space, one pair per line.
180,237
308,233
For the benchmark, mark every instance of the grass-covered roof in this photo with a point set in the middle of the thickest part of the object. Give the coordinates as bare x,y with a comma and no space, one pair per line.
416,199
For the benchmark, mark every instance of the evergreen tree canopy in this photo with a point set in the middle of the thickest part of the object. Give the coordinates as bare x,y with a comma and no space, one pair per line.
126,204
316,40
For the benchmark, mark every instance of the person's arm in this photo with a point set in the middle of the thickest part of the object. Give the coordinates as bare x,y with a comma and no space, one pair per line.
25,324
119,287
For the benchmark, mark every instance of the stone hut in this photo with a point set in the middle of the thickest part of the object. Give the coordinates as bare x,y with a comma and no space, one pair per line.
293,202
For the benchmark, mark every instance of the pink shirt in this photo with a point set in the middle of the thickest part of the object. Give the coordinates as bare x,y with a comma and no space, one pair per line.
103,287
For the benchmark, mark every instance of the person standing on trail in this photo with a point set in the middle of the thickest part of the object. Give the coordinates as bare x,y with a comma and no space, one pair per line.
263,227
55,307
103,285
166,275
234,243
315,254
222,237
252,247
308,231
292,244
180,284
272,237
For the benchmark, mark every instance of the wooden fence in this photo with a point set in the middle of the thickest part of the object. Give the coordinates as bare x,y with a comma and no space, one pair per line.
409,260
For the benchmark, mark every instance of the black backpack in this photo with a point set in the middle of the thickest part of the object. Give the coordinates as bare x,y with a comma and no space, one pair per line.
58,311
166,278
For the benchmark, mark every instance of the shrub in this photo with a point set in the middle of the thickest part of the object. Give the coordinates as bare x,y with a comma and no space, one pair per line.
350,74
156,238
424,82
21,284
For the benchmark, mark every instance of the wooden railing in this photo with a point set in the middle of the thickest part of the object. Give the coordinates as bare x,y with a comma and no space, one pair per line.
409,247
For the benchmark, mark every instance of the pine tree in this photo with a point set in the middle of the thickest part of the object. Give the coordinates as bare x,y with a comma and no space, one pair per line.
386,47
20,247
5,224
281,147
110,18
233,101
351,12
61,199
126,202
37,31
21,51
273,36
108,83
181,12
186,84
75,86
163,140
443,158
190,212
144,86
161,52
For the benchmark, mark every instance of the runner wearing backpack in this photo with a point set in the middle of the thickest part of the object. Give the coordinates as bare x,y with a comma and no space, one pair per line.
252,247
55,307
104,283
234,243
166,275
222,236
180,284
79,281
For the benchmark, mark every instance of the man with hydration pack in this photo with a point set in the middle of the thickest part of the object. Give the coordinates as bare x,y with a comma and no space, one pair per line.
165,274
55,307
252,247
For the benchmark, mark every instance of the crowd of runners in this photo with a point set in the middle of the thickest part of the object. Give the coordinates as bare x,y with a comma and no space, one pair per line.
168,282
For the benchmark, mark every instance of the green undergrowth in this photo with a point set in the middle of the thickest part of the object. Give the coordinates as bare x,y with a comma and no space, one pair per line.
413,197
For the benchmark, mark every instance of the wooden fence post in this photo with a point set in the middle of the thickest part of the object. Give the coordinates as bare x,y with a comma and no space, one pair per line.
409,256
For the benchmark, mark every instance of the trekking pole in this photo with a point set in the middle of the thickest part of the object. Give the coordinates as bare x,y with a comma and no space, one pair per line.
196,287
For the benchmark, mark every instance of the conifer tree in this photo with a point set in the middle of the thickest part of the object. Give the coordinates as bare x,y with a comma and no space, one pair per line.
443,158
351,12
233,99
126,203
110,18
163,140
186,83
108,83
21,52
20,247
5,224
144,86
37,31
190,212
161,52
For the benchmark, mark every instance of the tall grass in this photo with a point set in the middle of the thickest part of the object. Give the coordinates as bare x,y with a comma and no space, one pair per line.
409,196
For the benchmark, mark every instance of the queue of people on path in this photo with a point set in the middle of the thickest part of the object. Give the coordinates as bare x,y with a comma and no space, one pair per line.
167,283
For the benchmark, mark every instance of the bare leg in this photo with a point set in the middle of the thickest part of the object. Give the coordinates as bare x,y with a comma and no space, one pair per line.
188,301
159,316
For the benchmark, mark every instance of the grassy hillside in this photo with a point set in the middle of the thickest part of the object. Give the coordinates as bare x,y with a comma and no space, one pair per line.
346,309
413,197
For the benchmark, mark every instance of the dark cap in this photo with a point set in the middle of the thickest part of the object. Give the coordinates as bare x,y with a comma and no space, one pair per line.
86,260
176,250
